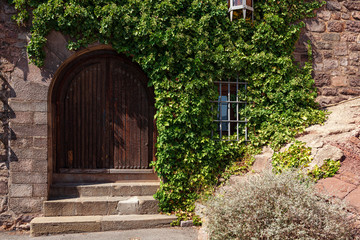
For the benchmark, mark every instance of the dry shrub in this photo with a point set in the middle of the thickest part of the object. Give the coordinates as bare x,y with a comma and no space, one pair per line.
272,206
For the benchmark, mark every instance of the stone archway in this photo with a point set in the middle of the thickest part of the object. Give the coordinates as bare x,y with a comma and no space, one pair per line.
101,118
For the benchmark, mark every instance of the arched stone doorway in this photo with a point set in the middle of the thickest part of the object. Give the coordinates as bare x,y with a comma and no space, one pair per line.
102,115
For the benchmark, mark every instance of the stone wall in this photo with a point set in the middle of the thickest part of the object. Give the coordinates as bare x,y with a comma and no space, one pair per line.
335,40
23,114
11,49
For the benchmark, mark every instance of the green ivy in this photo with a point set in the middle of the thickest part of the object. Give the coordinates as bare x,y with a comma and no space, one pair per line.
298,157
328,169
184,46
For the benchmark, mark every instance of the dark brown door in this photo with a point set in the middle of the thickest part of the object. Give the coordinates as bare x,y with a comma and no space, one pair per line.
105,115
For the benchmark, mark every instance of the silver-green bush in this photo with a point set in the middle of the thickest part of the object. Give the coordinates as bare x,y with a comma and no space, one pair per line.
272,206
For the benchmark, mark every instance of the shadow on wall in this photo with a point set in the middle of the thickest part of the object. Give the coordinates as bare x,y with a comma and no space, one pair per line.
13,60
5,114
335,39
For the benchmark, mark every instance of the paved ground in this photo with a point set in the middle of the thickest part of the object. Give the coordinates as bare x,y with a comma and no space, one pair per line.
174,233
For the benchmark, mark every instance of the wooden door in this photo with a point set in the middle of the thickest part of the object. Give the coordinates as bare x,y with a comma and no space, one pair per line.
104,115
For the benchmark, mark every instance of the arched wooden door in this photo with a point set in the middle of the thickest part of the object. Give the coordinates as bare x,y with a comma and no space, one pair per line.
103,114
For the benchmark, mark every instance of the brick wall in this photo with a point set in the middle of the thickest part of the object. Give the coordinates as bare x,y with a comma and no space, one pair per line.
335,39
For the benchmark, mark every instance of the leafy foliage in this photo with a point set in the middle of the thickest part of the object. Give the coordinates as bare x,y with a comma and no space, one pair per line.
184,46
298,157
270,206
328,169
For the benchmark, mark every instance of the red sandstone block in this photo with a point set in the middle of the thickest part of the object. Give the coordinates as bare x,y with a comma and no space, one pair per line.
322,79
40,190
4,173
3,187
40,166
334,187
26,205
22,142
21,166
349,91
333,6
354,81
352,5
336,16
29,165
339,81
28,177
349,177
28,106
23,117
352,26
29,153
330,64
328,91
29,130
30,91
20,190
40,142
40,118
354,199
331,37
345,16
315,26
335,26
356,15
354,47
324,15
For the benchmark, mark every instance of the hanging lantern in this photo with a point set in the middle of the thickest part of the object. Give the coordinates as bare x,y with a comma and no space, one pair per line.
241,8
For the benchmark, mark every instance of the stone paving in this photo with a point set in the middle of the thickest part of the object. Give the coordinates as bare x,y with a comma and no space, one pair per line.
170,233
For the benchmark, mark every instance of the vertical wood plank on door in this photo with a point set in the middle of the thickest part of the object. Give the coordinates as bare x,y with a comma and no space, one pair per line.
68,130
78,120
82,117
93,116
136,122
104,116
90,134
111,67
72,111
144,131
116,75
98,118
86,120
107,116
60,148
120,109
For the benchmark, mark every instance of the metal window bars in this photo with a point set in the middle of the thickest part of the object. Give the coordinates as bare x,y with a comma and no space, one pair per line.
230,121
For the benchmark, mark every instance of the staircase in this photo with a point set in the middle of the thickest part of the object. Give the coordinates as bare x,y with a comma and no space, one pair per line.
97,207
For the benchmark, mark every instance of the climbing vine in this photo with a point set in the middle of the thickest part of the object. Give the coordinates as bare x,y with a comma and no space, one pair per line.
184,46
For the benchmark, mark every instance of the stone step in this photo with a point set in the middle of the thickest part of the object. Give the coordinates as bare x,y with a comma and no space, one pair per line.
108,175
89,206
124,188
59,225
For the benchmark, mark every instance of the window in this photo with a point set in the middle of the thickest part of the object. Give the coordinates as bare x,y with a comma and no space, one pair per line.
231,123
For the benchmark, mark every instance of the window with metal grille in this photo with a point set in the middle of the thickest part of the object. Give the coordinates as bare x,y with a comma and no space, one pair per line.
231,123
